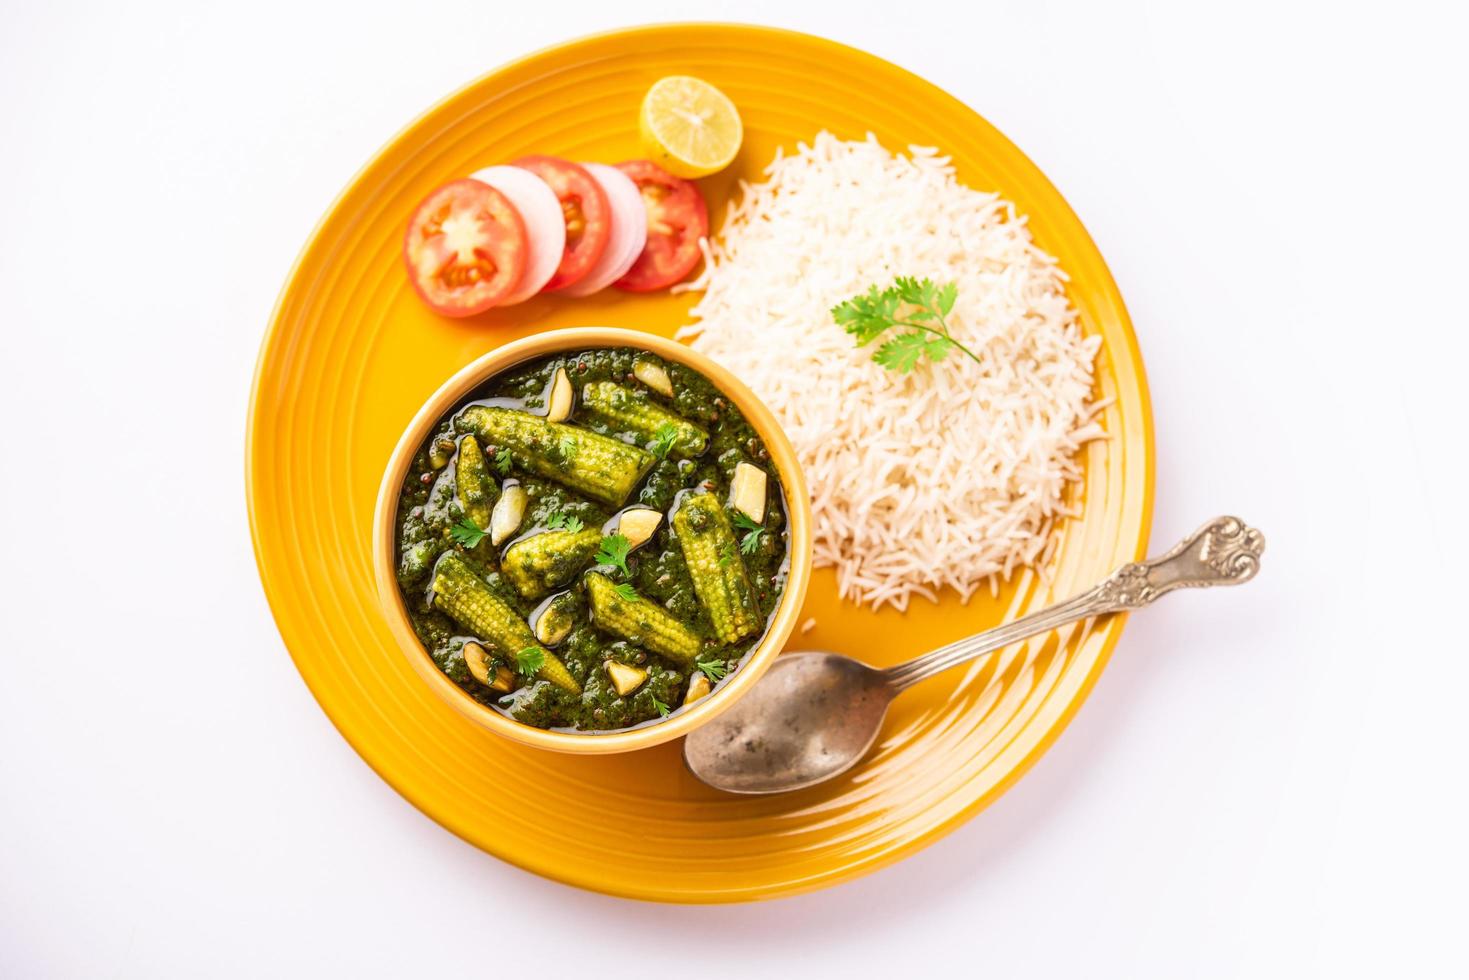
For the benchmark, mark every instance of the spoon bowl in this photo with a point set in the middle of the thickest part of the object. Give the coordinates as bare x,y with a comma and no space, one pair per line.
813,716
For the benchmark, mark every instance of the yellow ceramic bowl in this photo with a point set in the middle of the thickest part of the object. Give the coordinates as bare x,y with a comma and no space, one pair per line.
454,391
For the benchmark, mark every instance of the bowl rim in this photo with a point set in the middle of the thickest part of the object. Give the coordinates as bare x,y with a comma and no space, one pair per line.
783,459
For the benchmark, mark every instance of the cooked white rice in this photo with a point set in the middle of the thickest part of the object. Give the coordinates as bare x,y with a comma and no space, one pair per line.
954,474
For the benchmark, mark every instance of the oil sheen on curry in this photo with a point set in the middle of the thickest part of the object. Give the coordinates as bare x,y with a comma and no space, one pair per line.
592,541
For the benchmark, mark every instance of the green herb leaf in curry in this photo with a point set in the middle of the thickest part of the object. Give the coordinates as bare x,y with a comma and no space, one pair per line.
614,552
467,533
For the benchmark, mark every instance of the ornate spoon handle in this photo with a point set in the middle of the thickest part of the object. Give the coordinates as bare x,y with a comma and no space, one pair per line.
1226,551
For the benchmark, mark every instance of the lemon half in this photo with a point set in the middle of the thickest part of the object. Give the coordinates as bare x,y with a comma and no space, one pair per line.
689,127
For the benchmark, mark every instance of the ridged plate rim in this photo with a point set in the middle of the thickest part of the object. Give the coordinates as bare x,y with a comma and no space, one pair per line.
1138,439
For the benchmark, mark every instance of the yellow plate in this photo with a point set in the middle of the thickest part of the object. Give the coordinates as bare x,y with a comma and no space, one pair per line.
351,354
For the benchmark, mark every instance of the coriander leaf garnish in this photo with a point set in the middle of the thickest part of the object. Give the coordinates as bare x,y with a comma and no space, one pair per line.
502,462
712,669
663,439
662,708
726,555
918,304
529,660
560,520
625,592
867,315
567,448
467,533
904,351
613,551
753,532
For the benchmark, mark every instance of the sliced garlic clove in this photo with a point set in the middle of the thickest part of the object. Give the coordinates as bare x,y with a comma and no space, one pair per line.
698,688
652,374
478,661
747,492
638,525
625,678
555,621
441,453
509,512
551,630
560,401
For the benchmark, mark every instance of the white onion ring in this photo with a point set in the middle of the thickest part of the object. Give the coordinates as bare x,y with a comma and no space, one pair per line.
629,231
545,226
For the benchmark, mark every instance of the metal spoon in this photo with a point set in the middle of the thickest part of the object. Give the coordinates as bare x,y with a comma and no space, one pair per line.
814,715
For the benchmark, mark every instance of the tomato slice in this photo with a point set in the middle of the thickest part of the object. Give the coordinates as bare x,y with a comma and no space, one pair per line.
677,219
588,216
465,248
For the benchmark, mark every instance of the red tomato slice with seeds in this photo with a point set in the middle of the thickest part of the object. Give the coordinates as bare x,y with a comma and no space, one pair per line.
677,219
587,212
465,248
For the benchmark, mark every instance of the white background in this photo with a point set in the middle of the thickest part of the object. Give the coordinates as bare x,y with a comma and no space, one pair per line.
1266,781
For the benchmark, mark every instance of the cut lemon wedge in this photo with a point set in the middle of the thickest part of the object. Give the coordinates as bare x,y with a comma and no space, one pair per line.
689,127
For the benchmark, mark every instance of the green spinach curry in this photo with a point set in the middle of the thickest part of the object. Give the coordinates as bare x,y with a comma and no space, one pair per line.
592,541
